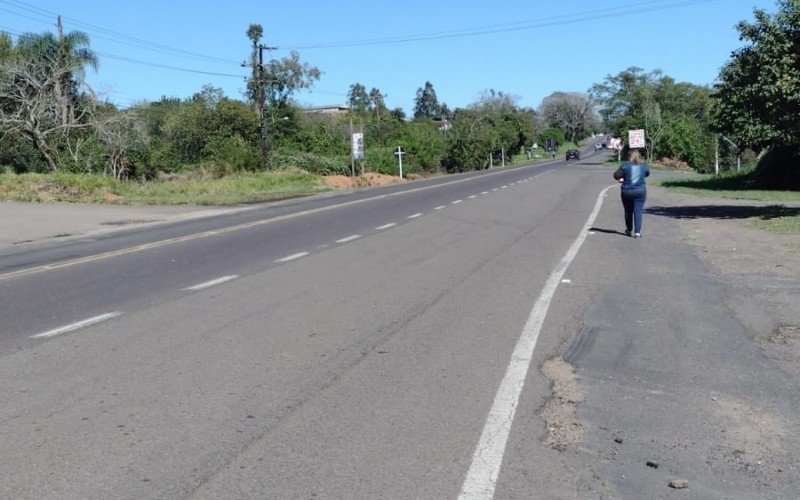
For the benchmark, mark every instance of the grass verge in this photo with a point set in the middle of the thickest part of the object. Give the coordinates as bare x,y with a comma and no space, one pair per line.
195,188
732,186
742,186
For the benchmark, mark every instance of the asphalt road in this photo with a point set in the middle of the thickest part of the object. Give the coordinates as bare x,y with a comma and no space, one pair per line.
358,346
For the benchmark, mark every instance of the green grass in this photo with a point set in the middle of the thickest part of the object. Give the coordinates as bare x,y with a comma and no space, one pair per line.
732,186
742,186
195,188
779,225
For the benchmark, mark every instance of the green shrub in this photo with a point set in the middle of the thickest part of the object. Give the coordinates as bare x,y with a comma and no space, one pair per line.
382,160
234,153
311,162
552,133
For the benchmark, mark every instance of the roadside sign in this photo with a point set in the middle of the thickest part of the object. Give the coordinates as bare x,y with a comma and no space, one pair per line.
636,138
358,145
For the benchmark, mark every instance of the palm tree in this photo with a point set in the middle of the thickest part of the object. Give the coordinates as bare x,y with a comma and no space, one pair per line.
68,55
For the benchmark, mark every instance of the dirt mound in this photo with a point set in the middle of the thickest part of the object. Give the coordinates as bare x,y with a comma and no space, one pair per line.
368,179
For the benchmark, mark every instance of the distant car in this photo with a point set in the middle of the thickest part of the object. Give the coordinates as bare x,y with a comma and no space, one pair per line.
598,146
573,154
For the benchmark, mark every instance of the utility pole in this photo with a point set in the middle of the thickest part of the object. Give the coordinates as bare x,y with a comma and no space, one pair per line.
261,97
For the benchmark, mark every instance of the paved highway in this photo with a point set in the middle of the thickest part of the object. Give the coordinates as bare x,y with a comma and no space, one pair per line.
385,343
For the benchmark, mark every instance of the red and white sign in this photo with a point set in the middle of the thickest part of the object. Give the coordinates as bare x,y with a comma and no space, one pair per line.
636,138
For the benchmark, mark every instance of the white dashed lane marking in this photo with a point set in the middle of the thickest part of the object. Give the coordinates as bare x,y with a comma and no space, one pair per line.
386,226
415,216
292,257
210,283
349,238
457,202
439,207
75,326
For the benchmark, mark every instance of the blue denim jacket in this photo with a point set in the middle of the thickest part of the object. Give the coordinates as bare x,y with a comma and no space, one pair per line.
633,175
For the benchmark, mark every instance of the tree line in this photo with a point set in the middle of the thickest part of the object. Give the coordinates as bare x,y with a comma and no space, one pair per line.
50,120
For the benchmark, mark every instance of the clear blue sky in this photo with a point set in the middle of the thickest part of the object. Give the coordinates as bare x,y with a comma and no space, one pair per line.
524,48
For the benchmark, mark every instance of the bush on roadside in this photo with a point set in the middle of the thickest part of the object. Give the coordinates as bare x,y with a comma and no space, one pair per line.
382,160
310,162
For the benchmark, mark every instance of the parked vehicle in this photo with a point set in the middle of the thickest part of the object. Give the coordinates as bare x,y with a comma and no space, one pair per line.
573,154
598,146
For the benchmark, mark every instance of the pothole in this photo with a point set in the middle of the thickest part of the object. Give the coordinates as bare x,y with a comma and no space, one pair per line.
564,430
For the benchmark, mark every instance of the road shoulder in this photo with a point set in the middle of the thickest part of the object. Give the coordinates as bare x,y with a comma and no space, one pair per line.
684,344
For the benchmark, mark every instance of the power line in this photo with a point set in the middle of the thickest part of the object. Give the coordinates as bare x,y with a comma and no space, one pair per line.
139,61
166,66
46,16
619,11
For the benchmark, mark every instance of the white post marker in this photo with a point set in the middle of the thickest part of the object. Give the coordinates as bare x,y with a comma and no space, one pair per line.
399,154
481,479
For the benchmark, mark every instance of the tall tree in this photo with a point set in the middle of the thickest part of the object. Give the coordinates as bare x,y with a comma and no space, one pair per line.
426,103
378,99
572,112
31,108
358,98
70,50
286,76
40,92
757,99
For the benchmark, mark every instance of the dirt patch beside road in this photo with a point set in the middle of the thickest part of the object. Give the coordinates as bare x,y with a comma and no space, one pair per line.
761,269
368,179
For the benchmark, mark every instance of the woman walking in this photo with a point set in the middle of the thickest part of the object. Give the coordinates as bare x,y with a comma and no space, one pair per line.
634,191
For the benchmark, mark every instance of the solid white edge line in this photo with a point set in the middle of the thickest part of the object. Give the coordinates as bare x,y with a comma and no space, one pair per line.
211,283
481,478
292,257
415,216
386,226
75,326
349,238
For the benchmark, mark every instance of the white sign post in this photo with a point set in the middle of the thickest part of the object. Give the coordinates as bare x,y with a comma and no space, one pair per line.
636,139
399,153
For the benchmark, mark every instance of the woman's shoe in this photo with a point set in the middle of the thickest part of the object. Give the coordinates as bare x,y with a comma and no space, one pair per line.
637,235
627,232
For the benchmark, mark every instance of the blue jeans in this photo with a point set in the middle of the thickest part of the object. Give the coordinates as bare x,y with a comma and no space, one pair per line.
634,207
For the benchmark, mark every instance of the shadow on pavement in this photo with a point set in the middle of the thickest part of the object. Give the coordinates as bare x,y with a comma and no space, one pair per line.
607,231
724,212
